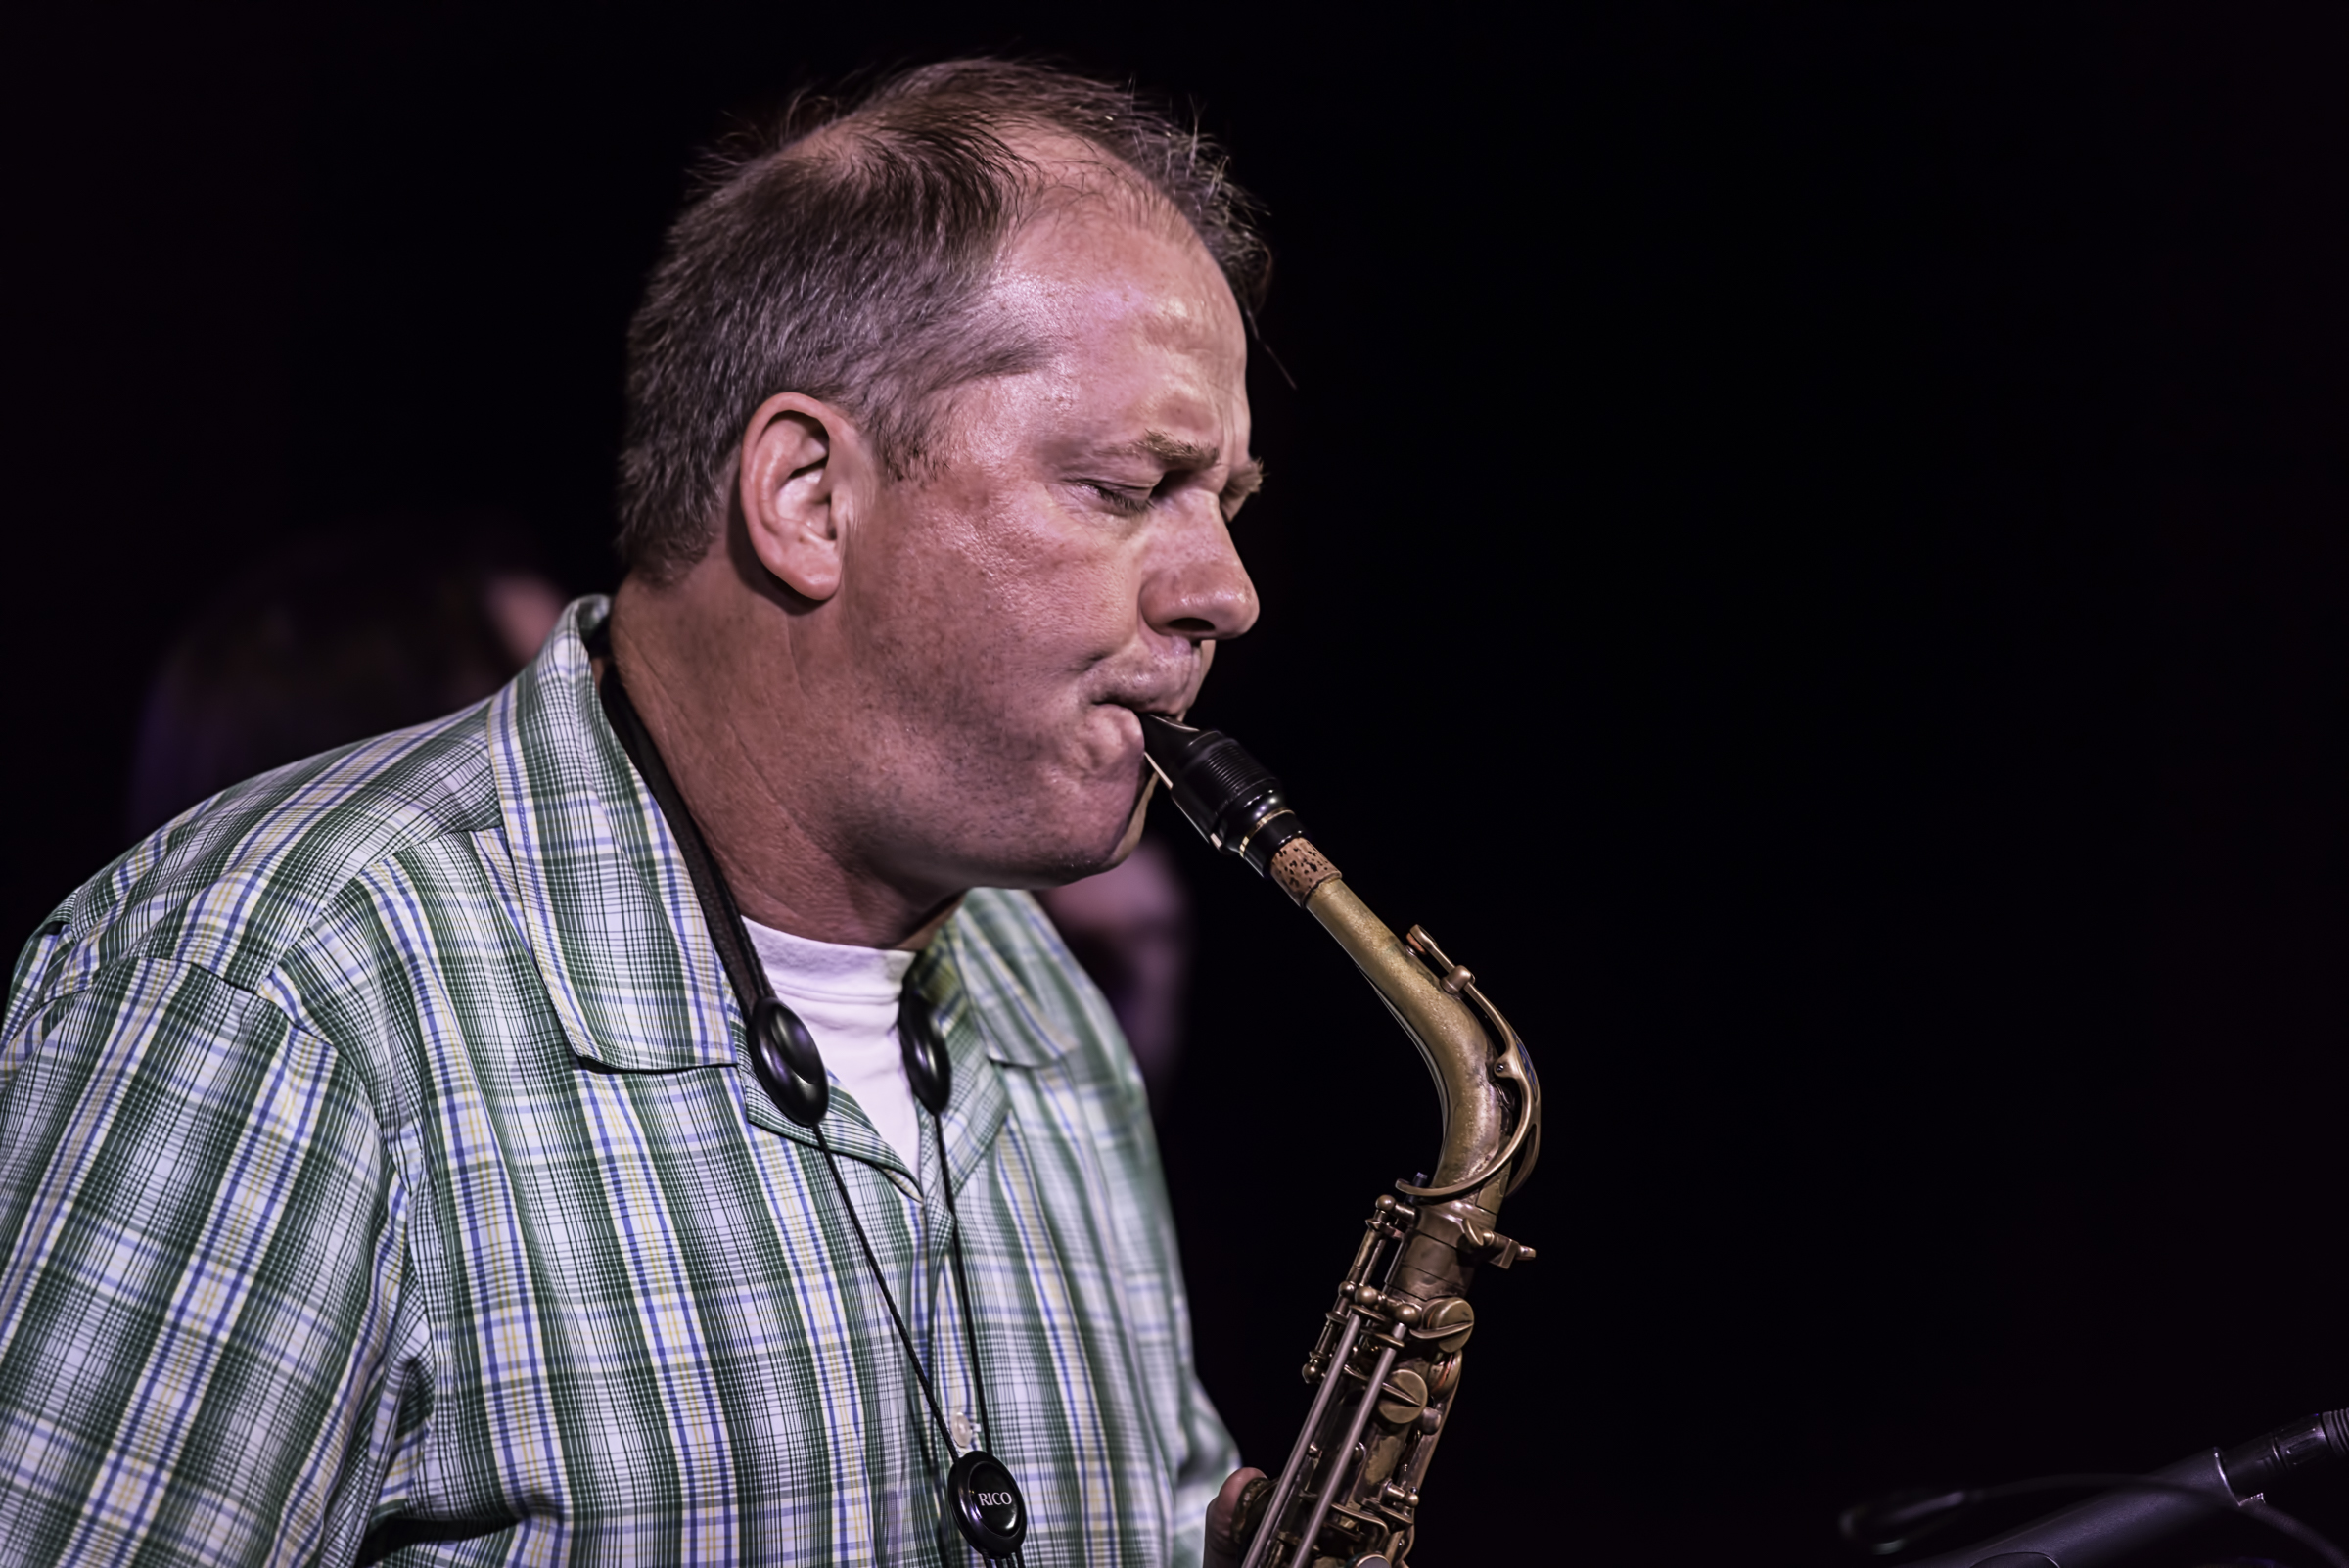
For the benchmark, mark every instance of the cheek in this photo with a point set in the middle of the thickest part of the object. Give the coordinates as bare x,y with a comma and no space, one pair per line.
1019,596
1071,605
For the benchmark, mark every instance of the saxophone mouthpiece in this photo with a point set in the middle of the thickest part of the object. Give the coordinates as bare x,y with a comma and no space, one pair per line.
1232,799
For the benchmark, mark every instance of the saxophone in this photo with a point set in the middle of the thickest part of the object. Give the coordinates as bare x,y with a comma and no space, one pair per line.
1386,1367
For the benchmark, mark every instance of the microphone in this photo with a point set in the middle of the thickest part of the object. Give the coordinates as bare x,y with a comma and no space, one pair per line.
2138,1512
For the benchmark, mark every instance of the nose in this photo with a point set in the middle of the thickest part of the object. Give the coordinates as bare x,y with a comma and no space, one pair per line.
1193,584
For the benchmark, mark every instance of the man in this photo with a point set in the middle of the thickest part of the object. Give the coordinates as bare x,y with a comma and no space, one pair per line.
383,1177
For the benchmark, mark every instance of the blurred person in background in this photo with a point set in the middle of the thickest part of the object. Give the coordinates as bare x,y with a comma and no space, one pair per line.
1130,928
388,621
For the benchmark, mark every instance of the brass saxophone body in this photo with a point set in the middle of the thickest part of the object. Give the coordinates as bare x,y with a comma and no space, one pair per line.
1386,1367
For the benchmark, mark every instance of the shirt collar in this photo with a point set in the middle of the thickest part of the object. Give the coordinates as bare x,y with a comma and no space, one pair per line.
604,900
603,895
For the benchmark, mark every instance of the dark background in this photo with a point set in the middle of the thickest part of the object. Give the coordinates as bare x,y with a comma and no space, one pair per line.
1808,545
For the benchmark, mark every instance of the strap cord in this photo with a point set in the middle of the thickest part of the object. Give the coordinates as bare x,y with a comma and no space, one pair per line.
748,980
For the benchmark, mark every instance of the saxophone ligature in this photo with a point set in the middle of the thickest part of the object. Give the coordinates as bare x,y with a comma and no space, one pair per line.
1386,1367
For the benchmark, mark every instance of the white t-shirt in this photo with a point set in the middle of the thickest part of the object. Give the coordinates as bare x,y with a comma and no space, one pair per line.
848,997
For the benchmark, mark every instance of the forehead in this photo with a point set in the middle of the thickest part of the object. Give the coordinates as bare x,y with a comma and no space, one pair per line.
1105,265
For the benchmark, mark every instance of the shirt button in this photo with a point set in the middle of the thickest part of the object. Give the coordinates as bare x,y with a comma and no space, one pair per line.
958,1427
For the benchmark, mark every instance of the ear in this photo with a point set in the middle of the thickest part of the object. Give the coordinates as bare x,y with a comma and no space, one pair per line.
800,460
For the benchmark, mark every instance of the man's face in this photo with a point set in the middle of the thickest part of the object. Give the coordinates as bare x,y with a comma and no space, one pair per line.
1066,560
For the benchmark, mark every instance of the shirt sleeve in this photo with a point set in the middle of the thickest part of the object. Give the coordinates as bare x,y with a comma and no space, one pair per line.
1212,1457
200,1243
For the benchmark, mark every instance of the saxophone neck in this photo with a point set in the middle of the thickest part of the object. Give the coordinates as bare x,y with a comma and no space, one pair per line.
1485,1085
1490,1101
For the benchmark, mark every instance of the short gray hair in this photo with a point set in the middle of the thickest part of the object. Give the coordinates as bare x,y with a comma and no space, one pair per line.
848,266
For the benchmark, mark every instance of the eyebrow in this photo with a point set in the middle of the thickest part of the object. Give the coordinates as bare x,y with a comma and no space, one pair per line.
1169,449
1247,475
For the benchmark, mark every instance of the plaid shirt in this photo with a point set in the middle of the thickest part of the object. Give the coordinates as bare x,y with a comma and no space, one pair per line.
380,1179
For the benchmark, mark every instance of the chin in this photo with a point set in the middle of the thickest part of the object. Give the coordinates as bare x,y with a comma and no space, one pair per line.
1093,837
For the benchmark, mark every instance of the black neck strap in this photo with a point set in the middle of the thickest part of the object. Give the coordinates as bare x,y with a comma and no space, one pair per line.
783,1054
743,971
790,1070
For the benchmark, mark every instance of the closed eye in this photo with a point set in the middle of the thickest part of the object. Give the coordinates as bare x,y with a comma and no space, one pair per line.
1132,500
1125,500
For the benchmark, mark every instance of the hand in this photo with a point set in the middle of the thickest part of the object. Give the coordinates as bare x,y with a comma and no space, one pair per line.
1222,1551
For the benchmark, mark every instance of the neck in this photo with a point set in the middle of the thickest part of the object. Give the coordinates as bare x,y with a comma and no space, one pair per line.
718,693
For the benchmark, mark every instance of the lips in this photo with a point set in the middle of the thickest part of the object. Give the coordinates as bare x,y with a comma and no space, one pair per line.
1162,683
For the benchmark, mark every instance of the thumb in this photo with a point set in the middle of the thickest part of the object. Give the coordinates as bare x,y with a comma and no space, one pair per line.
1223,1543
